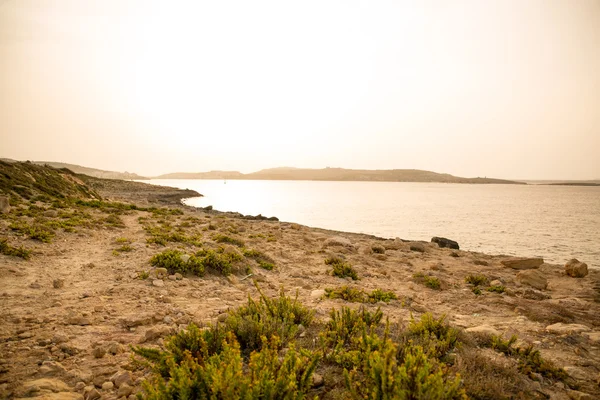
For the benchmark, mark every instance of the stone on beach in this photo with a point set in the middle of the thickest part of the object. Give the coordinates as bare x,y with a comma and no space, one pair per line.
533,278
523,262
445,243
576,269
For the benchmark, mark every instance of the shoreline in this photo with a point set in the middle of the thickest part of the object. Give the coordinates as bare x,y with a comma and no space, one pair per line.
70,312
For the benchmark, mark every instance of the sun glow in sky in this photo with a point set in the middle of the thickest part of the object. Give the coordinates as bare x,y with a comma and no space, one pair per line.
507,89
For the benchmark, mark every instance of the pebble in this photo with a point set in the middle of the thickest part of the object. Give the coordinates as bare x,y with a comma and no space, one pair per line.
108,385
158,283
58,283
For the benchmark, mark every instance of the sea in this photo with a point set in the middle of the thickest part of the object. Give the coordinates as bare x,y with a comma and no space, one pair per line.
554,222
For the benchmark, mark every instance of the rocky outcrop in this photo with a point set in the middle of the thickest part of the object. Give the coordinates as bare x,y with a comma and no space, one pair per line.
533,278
523,262
562,329
576,269
445,243
4,205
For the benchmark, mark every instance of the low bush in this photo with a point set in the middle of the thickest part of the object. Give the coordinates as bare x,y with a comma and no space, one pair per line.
174,262
36,232
341,269
219,238
496,289
354,295
476,280
430,281
268,317
9,250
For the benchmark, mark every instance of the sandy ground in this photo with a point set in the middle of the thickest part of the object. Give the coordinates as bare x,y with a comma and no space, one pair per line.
69,314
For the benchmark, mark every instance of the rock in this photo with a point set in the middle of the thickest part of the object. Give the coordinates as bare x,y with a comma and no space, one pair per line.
60,396
4,204
58,283
576,269
52,368
78,320
34,285
576,395
91,393
161,272
575,372
445,243
533,294
185,258
124,391
134,320
122,378
158,283
45,385
79,386
156,332
496,282
99,352
172,278
168,320
533,278
417,247
318,380
523,262
50,214
317,293
593,337
114,348
108,385
338,241
222,317
178,276
484,329
561,329
60,338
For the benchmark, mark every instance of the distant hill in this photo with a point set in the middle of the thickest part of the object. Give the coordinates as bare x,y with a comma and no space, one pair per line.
338,174
78,169
203,175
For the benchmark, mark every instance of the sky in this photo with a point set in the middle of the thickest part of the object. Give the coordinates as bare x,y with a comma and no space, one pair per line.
505,89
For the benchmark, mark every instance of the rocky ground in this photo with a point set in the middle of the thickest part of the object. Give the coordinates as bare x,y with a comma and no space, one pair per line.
69,314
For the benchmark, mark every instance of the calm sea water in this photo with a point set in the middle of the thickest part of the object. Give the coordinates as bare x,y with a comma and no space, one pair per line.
554,222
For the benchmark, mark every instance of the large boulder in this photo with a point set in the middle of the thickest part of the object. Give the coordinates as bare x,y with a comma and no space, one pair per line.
523,262
533,278
576,269
443,242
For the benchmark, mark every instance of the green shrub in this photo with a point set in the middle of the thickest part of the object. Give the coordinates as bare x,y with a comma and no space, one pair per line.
266,265
114,221
268,317
476,280
353,295
430,281
341,269
434,335
174,262
476,291
8,250
225,375
219,238
347,324
380,295
347,293
416,376
496,289
37,232
263,260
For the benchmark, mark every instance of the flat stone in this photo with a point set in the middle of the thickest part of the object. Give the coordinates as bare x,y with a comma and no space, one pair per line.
158,283
156,332
576,395
122,378
108,385
523,262
46,384
124,391
561,329
60,396
317,293
533,278
575,372
593,337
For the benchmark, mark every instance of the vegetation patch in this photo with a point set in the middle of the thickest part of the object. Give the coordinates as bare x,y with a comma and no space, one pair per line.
36,231
264,261
354,295
476,280
219,238
9,250
341,268
430,281
177,262
496,289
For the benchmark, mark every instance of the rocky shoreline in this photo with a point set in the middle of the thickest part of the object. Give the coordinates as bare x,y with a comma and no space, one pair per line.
72,306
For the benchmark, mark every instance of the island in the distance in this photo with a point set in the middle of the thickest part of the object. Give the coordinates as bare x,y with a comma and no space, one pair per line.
337,174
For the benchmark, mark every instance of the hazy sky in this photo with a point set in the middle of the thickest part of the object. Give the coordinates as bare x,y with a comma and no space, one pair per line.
507,89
